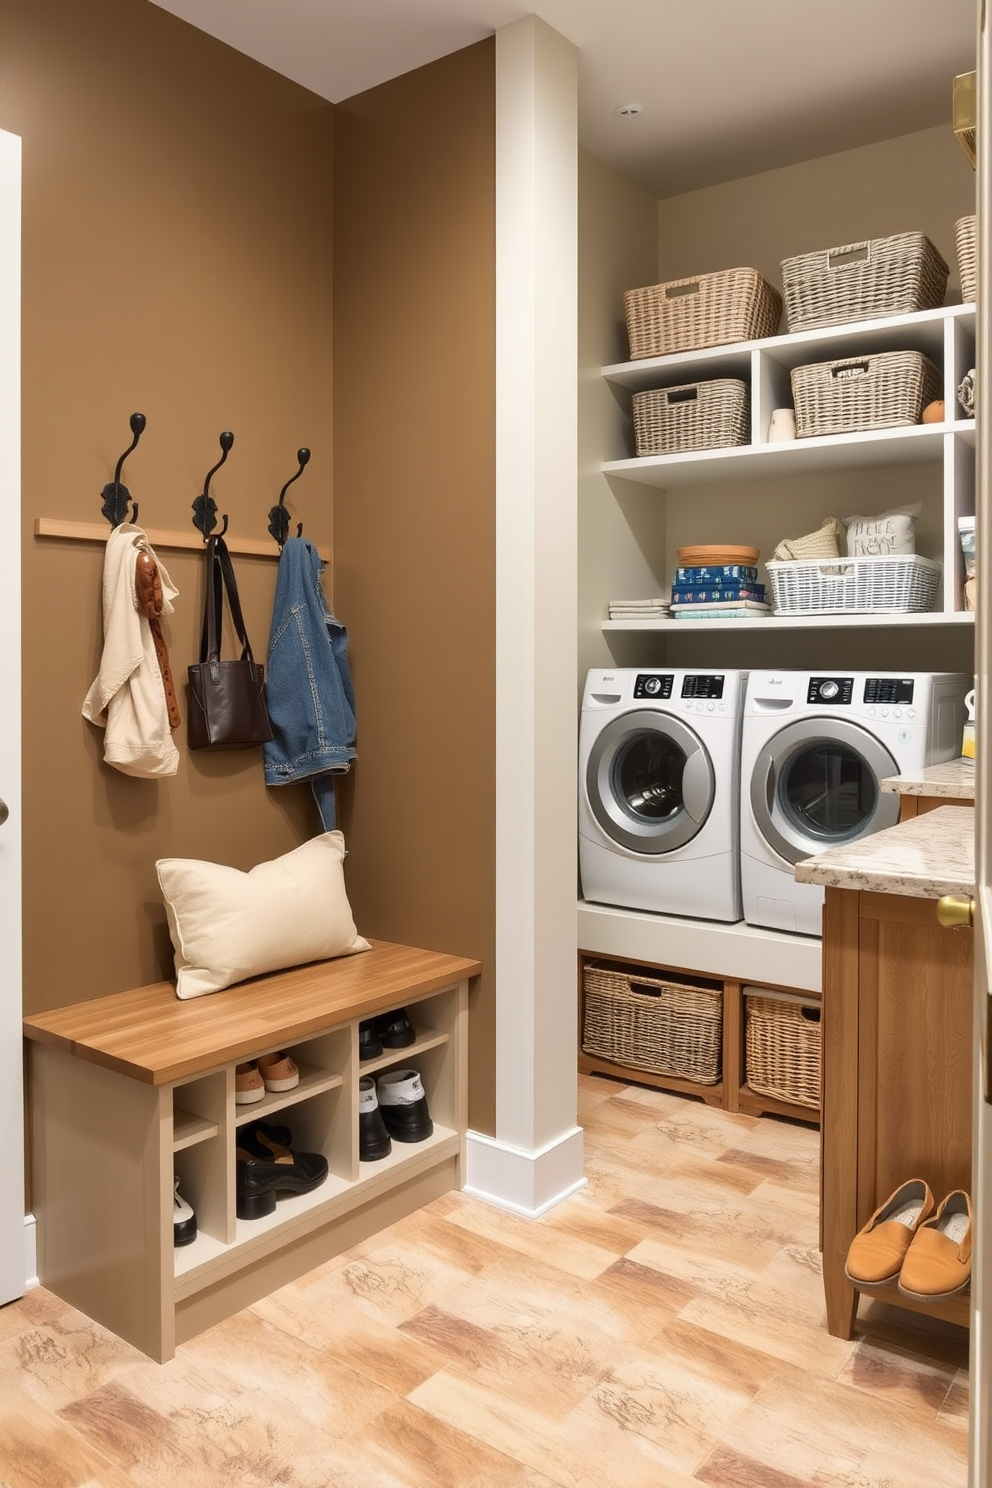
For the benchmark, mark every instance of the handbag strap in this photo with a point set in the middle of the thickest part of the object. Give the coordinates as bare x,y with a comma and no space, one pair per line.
220,576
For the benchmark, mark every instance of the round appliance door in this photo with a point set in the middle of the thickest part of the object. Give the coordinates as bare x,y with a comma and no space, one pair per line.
650,782
816,785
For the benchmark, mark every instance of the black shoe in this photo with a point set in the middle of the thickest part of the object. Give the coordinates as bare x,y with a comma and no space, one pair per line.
395,1029
404,1106
258,1138
183,1218
258,1181
373,1138
369,1046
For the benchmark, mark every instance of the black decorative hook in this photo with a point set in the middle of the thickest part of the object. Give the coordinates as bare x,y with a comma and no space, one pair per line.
115,496
278,515
205,507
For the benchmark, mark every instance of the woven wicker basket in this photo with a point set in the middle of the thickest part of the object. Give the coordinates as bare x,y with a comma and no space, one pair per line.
711,310
901,582
862,281
966,247
783,1047
695,416
887,391
652,1023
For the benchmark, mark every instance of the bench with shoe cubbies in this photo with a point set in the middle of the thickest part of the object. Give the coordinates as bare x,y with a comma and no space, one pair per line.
131,1090
731,1044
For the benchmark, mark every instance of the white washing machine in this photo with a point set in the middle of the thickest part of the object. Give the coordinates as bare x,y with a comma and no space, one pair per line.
658,791
814,747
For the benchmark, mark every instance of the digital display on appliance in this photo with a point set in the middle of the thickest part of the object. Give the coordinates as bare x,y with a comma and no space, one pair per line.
653,685
830,691
889,690
699,686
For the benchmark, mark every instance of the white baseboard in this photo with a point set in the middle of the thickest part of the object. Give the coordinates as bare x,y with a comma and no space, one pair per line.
30,1253
526,1183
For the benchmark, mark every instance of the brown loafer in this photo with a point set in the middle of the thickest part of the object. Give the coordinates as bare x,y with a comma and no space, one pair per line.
879,1248
938,1262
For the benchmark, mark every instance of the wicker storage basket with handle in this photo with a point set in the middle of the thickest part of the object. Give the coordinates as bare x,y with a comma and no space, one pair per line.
695,416
966,247
872,392
783,1048
646,1019
710,310
862,281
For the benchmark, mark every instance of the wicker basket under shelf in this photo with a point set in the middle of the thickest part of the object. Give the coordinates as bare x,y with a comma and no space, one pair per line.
694,416
863,281
652,1022
887,391
966,247
901,582
783,1047
710,310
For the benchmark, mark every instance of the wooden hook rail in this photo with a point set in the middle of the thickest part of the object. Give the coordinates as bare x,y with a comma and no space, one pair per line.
192,541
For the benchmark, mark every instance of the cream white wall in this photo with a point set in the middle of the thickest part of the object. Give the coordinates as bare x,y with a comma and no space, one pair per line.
621,539
916,183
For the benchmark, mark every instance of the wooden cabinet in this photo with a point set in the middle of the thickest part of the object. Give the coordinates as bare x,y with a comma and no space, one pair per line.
897,1055
129,1090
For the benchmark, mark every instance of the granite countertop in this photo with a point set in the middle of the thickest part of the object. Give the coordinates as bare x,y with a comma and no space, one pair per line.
955,779
923,858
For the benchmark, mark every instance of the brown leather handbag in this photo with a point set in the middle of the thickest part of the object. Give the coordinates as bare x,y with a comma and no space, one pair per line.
226,707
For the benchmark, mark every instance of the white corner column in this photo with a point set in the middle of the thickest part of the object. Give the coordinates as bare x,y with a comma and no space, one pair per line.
535,1158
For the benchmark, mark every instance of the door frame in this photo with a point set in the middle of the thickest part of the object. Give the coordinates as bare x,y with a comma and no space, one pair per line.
13,1265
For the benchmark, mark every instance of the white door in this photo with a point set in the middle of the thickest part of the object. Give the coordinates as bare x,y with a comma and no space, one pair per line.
980,1455
12,1264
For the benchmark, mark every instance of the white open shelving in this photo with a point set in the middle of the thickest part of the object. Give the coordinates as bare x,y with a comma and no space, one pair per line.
946,336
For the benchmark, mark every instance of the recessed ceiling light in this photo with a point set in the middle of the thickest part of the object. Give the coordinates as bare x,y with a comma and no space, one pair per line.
628,110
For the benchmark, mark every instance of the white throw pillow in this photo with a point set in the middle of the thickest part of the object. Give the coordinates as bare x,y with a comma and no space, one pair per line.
227,925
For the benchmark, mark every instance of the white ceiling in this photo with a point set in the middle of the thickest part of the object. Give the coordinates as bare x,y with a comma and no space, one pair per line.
728,87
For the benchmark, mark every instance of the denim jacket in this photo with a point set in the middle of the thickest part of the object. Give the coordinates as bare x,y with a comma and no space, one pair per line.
308,683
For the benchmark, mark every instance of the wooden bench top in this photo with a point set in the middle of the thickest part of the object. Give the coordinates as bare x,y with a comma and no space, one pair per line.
152,1036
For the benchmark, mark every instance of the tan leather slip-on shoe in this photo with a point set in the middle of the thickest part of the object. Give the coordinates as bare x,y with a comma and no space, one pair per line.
278,1071
249,1086
938,1262
879,1248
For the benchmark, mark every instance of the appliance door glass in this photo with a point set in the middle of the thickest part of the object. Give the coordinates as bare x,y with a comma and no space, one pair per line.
815,785
650,782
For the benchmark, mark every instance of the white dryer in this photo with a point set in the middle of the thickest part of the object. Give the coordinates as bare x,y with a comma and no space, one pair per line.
814,747
658,791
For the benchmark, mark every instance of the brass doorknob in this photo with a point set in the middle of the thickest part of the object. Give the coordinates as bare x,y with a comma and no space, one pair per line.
955,912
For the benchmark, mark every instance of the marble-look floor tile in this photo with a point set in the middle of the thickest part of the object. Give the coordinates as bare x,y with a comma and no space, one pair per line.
893,1375
954,1411
328,1318
548,1361
807,1425
588,1449
39,1450
534,1238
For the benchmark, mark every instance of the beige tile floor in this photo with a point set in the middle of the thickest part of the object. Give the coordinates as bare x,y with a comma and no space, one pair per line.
663,1327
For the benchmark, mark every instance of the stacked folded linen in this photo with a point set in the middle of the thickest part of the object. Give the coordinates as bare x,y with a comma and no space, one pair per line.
638,609
731,609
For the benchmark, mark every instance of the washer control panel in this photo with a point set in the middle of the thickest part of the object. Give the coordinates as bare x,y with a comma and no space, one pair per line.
653,685
889,690
831,691
708,686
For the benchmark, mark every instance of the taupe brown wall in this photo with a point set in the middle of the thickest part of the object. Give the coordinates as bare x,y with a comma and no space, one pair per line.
177,261
414,516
